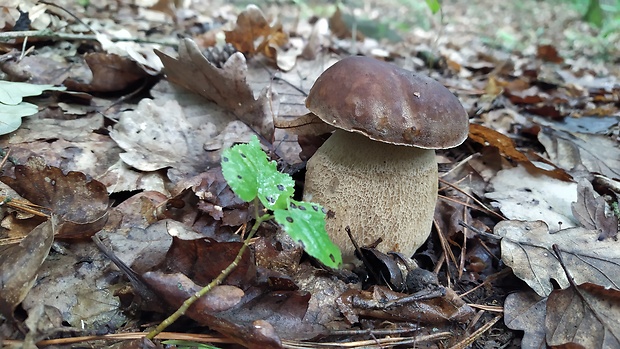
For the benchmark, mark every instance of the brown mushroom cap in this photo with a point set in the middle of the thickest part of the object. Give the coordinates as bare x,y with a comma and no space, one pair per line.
388,104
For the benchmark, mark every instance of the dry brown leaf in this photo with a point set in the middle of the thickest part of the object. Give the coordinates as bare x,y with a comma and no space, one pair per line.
548,53
590,211
527,249
340,28
227,87
19,265
110,73
176,288
587,315
81,205
253,34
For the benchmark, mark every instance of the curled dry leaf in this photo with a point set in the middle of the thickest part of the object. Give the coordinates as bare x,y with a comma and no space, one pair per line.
226,86
571,151
587,315
253,34
81,205
488,137
19,265
110,73
527,249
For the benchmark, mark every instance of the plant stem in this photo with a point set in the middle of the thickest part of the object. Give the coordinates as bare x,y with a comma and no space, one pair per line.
218,280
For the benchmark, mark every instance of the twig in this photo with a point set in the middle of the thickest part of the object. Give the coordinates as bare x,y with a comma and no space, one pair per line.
469,340
473,198
47,34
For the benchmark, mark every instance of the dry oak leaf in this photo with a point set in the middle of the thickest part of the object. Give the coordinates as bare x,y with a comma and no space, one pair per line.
572,150
527,249
587,315
19,265
80,205
253,34
226,86
590,211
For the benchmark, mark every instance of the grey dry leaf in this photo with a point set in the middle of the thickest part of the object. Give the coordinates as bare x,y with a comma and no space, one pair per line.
597,153
524,196
525,311
527,249
159,136
227,87
590,211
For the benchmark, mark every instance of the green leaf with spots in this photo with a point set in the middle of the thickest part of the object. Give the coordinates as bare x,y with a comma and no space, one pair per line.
250,174
305,223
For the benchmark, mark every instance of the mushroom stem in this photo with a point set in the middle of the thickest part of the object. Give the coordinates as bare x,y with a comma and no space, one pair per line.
379,190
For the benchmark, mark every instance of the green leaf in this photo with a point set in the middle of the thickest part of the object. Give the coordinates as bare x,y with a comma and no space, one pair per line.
11,116
13,92
305,223
433,5
250,174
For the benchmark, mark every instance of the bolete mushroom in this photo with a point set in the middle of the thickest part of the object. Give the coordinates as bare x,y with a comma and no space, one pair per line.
377,172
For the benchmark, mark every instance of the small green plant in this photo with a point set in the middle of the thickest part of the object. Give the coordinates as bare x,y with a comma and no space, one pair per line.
254,178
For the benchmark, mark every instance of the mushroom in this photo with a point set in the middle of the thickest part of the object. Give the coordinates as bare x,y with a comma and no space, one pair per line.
377,172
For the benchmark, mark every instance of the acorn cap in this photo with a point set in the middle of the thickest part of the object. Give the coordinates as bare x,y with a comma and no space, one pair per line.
388,104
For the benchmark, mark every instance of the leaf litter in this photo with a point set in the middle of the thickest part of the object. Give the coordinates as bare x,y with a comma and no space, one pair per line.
135,160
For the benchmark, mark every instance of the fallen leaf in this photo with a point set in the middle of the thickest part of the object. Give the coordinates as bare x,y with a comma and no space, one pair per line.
203,260
525,196
78,285
590,211
110,73
253,34
488,137
570,151
436,311
176,288
587,315
548,53
527,249
525,311
226,86
19,266
80,204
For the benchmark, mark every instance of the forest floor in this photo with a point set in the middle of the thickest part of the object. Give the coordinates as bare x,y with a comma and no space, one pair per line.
114,116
